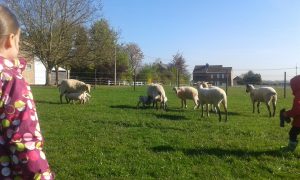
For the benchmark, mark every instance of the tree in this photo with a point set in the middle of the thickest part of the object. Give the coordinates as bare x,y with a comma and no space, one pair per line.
102,46
135,55
251,78
48,27
179,64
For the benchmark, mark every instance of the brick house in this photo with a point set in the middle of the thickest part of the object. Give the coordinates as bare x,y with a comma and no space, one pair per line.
214,74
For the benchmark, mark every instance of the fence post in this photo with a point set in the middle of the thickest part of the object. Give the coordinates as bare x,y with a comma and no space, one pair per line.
284,86
95,83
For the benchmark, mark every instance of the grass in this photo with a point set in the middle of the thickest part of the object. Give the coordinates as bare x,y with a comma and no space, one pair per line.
109,138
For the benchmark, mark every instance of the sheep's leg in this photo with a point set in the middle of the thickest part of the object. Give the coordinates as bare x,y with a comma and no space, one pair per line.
274,106
258,103
185,106
67,99
196,103
207,111
202,110
60,97
269,110
198,106
225,109
181,103
219,112
138,104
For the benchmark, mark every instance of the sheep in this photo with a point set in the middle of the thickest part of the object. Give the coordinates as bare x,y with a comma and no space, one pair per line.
82,97
263,94
157,93
72,86
145,100
187,92
208,85
214,96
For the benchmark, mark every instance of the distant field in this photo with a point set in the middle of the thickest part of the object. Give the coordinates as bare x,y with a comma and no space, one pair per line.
110,138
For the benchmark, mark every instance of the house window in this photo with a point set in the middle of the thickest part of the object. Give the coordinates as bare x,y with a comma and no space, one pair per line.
28,67
223,76
218,76
211,76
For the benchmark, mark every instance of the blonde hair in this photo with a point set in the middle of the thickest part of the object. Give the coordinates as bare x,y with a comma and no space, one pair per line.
8,23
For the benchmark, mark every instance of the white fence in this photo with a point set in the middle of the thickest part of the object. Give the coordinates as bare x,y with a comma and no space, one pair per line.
125,83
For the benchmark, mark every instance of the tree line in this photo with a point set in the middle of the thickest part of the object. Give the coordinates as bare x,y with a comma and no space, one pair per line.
72,34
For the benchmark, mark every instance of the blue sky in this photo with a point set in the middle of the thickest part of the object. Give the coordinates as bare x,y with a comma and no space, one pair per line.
258,35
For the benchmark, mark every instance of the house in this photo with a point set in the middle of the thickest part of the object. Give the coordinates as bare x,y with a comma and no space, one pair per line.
237,81
35,72
214,74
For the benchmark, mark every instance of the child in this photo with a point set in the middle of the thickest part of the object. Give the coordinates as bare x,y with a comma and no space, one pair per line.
295,114
21,142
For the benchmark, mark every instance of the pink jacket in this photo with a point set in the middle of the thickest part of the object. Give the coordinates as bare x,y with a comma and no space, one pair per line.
295,111
21,142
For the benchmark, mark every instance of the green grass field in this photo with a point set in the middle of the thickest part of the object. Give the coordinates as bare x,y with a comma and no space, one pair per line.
109,138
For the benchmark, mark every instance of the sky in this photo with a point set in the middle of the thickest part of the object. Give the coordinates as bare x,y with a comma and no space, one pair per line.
258,35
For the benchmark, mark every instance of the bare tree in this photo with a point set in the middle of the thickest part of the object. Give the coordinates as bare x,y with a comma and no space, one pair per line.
179,63
48,27
135,58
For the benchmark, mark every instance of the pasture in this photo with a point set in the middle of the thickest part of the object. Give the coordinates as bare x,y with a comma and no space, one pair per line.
109,138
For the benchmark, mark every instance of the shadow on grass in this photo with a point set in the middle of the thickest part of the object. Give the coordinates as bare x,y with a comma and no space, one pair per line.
159,149
171,117
47,102
129,124
230,152
221,153
233,114
123,107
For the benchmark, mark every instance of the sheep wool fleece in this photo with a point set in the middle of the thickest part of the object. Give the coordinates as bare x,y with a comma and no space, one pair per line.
21,142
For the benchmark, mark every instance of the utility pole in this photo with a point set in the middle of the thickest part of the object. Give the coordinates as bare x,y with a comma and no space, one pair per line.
115,64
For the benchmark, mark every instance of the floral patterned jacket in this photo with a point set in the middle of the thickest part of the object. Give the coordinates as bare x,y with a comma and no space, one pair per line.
21,142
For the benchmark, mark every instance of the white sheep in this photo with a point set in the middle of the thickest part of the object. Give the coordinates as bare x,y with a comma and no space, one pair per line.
145,100
214,96
262,94
157,93
208,85
187,92
72,86
82,97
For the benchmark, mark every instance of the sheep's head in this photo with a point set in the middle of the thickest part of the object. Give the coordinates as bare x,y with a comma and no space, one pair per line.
249,87
88,88
175,89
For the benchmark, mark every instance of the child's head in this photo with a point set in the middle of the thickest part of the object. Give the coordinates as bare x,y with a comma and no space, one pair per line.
9,33
295,85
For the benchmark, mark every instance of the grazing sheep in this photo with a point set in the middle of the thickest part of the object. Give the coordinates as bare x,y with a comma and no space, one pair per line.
145,100
263,94
187,92
157,93
72,86
214,96
82,97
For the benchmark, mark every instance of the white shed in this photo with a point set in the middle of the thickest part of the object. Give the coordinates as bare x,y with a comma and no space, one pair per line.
40,72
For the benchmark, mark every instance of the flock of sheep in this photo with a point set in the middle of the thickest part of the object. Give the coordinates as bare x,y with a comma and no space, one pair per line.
207,95
203,94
